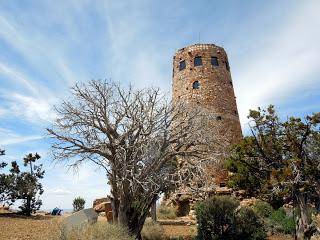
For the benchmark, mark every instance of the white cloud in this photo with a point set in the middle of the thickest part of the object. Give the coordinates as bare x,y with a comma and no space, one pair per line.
282,66
8,137
140,59
61,191
38,49
17,77
33,109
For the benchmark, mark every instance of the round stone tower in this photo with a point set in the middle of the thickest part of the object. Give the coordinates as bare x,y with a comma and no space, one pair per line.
202,78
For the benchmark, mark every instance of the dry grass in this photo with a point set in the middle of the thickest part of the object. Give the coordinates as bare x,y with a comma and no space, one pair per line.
16,227
177,230
280,237
166,212
99,230
152,231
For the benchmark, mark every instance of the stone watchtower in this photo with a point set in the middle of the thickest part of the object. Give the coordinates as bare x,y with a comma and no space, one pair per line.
201,77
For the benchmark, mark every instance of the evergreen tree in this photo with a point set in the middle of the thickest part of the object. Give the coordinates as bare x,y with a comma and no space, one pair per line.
280,162
27,185
6,184
78,204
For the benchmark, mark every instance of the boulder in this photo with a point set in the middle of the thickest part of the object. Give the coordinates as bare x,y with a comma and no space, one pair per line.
100,207
85,216
103,207
100,200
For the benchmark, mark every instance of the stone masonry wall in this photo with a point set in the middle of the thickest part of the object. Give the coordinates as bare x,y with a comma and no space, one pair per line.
215,93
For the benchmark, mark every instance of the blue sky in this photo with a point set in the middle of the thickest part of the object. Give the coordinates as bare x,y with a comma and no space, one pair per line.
45,46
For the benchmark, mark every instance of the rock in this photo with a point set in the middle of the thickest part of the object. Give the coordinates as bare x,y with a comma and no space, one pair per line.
240,193
100,207
103,207
102,214
248,202
223,191
109,216
79,218
183,197
100,200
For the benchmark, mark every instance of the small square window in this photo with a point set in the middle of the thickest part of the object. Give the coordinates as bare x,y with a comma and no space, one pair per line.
196,85
197,61
222,184
219,118
214,61
182,65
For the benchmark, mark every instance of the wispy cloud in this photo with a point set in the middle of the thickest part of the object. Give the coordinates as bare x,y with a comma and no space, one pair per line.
285,64
35,47
33,109
58,191
142,60
8,137
17,78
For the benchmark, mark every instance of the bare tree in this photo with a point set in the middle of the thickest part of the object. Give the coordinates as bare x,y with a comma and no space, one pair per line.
136,136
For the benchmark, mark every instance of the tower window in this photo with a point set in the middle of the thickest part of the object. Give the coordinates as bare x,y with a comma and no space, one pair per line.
214,61
227,66
219,118
182,65
196,85
197,61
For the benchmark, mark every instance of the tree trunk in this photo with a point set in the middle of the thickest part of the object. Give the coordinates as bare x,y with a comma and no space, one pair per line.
136,224
115,208
133,217
154,211
28,206
122,213
114,198
304,227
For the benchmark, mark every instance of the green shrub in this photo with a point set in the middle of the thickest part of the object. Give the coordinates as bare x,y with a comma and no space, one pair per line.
213,217
98,231
263,209
249,225
279,221
78,204
152,231
166,212
220,218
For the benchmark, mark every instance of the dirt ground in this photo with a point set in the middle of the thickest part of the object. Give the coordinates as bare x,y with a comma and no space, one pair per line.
280,237
13,226
170,230
16,227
